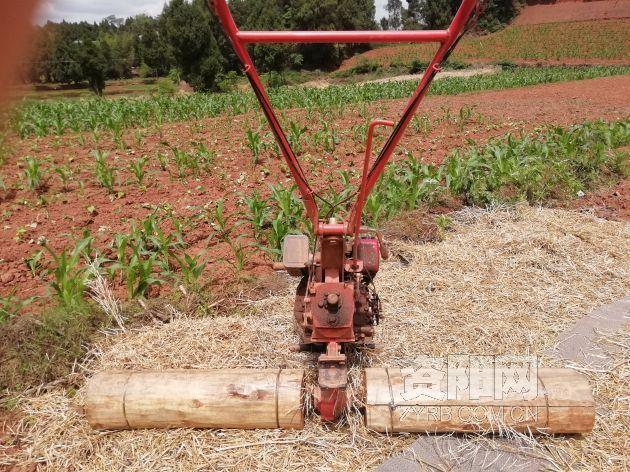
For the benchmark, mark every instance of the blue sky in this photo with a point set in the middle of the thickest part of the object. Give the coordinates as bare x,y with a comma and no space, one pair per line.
96,10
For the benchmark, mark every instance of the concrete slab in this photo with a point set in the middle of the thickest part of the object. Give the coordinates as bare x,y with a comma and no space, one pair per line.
579,344
457,454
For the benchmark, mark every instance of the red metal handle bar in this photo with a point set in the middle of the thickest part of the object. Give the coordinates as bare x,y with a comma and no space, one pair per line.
422,36
239,40
357,211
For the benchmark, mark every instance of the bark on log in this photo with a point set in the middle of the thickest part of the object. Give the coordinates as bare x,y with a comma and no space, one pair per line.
399,400
222,398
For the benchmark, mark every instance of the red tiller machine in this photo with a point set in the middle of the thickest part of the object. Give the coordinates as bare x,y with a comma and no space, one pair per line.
335,304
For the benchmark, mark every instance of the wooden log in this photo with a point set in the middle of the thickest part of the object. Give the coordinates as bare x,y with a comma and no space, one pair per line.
400,400
222,398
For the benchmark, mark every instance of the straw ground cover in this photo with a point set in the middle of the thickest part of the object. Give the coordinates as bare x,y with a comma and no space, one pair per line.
502,281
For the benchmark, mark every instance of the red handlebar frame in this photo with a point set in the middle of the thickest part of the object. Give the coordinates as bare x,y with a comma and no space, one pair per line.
421,36
239,39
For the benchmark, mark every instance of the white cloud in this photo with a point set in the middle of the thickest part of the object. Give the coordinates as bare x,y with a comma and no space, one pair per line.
380,9
96,10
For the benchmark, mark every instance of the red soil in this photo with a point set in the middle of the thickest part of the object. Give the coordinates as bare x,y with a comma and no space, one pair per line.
64,215
611,203
573,11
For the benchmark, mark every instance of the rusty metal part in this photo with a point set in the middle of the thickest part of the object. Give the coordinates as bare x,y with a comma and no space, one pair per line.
330,395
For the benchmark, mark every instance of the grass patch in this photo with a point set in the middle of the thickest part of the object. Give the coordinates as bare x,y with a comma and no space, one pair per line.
40,348
58,117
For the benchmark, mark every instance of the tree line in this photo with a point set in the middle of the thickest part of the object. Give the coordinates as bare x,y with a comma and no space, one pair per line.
437,14
185,39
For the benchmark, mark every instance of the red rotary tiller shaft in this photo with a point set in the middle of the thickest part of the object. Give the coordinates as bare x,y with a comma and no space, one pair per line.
335,303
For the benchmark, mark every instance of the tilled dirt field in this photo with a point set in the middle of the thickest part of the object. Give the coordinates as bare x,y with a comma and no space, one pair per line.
65,214
233,176
507,281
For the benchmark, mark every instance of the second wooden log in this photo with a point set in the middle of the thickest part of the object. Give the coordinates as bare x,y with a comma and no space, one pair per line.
402,400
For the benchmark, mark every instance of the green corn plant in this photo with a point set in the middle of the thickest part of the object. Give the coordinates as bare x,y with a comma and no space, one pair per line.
162,160
205,157
443,223
421,124
183,161
164,243
465,116
270,142
137,168
289,205
447,115
33,262
295,136
105,175
191,268
359,132
33,173
331,137
138,274
54,117
117,132
4,148
139,137
258,211
69,272
255,145
240,255
336,202
65,174
220,222
119,244
149,237
276,234
374,208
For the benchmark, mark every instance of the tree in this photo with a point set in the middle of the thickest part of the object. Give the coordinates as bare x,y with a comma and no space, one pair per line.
437,14
150,44
40,68
412,15
120,46
264,15
394,14
326,15
497,14
187,29
94,64
187,37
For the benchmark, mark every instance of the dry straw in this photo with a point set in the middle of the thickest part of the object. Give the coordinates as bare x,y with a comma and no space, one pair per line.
503,281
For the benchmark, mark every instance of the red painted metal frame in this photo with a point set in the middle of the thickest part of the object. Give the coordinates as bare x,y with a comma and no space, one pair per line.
421,36
240,39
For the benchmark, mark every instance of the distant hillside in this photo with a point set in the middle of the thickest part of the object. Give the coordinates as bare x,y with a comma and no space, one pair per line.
573,11
579,42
